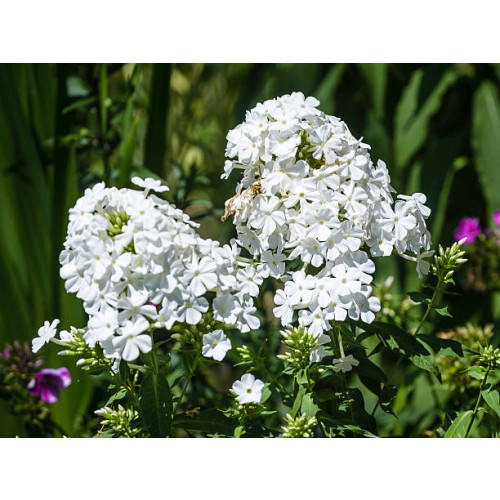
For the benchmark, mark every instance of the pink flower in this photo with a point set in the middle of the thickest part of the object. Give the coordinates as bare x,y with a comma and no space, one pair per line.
496,217
468,228
47,383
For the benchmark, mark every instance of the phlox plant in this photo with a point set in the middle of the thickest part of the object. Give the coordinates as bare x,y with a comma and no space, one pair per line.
312,213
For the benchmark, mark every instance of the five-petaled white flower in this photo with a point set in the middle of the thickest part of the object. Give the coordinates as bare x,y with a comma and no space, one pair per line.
130,341
248,389
345,363
215,345
149,184
45,333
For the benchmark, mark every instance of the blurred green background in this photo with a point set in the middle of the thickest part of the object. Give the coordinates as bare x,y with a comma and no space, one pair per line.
64,127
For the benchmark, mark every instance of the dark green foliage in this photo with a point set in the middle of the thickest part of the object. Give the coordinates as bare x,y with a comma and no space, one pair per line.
156,404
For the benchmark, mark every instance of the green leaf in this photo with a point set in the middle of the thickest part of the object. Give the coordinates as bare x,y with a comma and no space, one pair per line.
266,394
419,298
387,395
476,372
156,404
357,430
309,408
298,400
446,347
443,311
411,121
460,425
326,388
116,397
492,398
211,421
405,344
486,141
370,374
124,370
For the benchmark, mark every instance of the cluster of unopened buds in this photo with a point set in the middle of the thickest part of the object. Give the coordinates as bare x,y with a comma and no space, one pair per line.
490,357
299,427
119,420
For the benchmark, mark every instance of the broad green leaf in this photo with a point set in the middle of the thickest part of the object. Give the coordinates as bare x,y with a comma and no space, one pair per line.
446,347
309,407
156,404
405,344
476,372
411,122
459,427
211,421
486,141
492,398
370,374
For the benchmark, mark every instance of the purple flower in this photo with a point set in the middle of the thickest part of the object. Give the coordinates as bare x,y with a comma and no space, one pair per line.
496,217
47,383
468,228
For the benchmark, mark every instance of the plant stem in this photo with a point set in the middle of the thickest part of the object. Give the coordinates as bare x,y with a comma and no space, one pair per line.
430,304
476,408
190,376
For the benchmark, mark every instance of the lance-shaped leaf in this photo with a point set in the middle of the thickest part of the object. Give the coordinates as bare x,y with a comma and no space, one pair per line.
405,344
459,427
156,405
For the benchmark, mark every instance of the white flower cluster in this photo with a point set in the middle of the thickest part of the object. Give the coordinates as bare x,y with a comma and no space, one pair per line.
136,263
312,209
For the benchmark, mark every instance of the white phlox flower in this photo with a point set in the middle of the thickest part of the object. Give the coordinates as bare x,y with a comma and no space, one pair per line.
345,363
248,389
137,263
312,209
45,333
215,345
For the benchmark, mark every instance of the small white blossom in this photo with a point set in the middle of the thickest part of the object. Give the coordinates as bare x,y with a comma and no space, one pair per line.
215,345
248,389
345,363
45,333
149,184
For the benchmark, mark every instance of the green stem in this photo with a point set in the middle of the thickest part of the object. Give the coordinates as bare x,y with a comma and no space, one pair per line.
190,376
476,408
430,305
